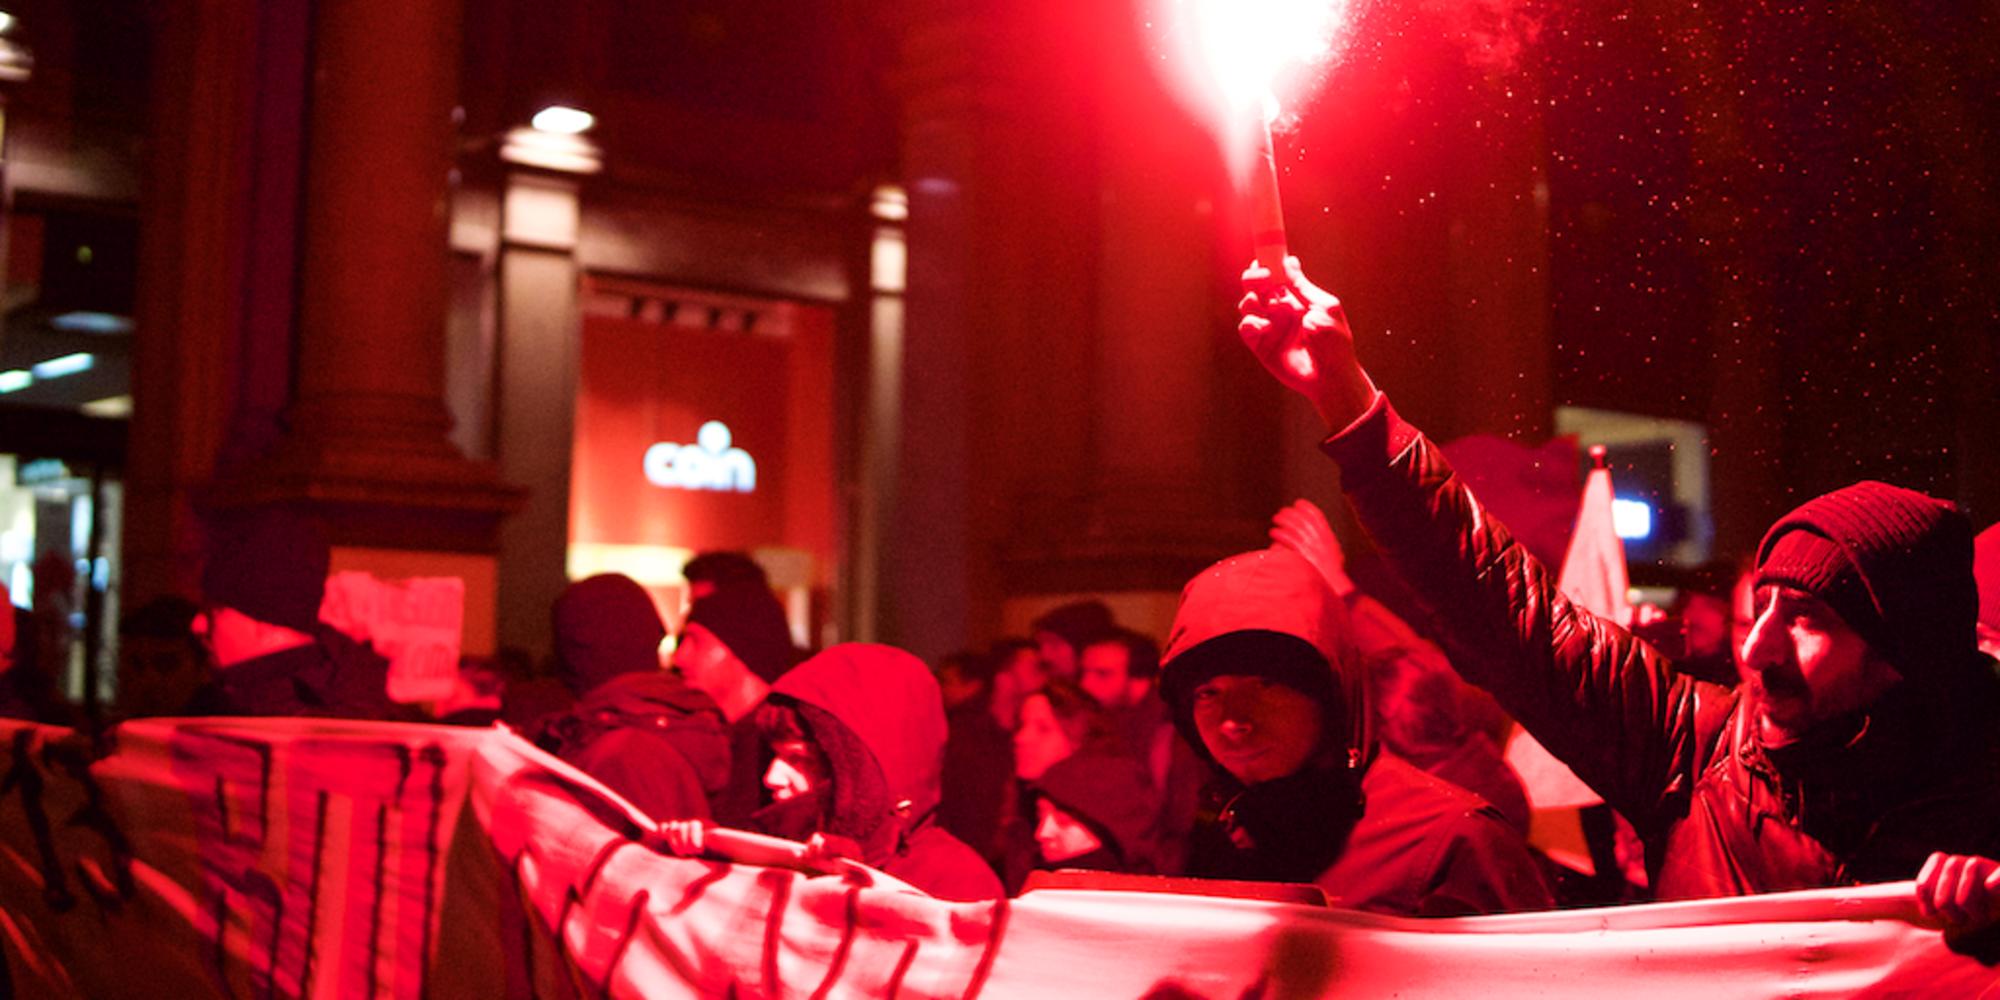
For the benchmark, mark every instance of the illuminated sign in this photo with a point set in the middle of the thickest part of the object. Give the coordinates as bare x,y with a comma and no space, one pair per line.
1632,519
708,464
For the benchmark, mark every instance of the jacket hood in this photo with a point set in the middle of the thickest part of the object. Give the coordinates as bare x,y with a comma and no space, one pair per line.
889,703
1113,794
1268,613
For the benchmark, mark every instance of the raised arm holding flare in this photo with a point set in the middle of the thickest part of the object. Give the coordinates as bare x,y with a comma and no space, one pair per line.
1862,744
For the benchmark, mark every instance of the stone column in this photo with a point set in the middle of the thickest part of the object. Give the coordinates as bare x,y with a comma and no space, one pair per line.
213,349
366,442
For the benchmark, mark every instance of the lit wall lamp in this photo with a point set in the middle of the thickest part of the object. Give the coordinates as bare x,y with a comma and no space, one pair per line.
16,62
554,140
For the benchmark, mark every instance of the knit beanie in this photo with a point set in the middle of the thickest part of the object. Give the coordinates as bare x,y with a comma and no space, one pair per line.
1896,565
269,563
605,626
752,624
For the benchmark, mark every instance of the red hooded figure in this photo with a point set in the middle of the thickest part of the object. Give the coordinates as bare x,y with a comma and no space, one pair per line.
869,721
1260,679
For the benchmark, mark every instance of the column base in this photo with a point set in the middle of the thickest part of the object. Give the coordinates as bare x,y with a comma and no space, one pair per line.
425,500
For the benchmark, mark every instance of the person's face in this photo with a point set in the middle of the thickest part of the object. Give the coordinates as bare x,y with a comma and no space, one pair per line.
1102,673
1039,740
1804,666
797,767
1258,730
1058,656
1061,836
1025,668
956,688
1705,620
705,662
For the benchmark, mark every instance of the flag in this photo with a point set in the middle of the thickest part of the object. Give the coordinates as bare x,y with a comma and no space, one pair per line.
1593,578
1593,571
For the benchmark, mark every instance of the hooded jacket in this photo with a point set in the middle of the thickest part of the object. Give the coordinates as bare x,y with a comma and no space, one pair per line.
1917,771
877,715
1113,795
1373,831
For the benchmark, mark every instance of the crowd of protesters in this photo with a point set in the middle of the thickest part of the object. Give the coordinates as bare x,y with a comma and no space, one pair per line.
1820,714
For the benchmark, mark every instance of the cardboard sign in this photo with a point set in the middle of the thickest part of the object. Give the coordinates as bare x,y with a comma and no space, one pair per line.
416,624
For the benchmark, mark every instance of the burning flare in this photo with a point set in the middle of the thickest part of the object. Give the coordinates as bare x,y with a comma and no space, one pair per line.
1232,62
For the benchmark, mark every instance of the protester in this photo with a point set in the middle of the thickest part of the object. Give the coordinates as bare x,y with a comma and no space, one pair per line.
978,754
1061,633
160,663
261,591
1121,671
1703,611
1257,671
1860,745
636,727
1096,811
858,737
733,645
708,572
1017,673
1057,721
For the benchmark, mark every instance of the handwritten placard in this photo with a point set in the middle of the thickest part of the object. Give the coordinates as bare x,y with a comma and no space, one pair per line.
416,624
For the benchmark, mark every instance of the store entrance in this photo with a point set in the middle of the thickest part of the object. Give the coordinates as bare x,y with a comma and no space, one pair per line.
705,423
61,492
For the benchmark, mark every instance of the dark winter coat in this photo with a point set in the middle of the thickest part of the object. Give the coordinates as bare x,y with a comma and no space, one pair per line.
876,713
978,771
330,677
1721,815
651,738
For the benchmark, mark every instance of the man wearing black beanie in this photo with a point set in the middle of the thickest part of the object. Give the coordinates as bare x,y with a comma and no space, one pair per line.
733,646
1861,746
262,584
636,727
